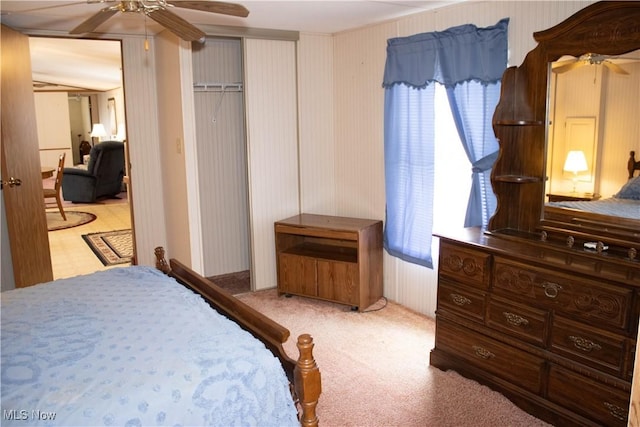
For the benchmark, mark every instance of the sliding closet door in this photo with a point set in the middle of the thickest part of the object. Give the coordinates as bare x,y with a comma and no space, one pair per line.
272,141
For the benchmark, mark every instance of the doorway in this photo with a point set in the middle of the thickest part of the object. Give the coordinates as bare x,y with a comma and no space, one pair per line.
87,75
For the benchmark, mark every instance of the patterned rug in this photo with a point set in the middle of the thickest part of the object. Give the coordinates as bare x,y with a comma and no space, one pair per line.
111,247
74,219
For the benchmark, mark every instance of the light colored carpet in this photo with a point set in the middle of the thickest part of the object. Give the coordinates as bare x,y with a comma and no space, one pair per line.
111,247
375,368
74,219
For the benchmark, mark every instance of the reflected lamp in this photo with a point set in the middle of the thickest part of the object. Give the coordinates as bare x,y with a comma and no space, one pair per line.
575,162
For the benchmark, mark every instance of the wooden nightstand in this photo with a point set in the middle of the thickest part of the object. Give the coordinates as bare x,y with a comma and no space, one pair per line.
332,258
572,197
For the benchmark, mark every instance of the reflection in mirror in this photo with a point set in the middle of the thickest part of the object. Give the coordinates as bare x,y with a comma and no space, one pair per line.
594,114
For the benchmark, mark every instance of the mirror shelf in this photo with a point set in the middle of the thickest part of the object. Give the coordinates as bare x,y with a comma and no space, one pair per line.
520,122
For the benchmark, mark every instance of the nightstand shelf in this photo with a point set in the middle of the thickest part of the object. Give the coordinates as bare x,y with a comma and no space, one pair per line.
572,197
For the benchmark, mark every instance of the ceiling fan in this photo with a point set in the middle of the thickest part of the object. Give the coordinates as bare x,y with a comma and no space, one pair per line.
588,59
160,11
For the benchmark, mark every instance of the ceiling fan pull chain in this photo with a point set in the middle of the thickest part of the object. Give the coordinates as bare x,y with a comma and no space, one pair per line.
146,38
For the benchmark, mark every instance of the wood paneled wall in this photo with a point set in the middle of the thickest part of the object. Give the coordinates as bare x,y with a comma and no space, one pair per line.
147,189
317,118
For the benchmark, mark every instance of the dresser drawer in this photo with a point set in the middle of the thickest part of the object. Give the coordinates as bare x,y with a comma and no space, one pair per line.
461,300
465,265
586,344
595,302
490,355
604,404
526,323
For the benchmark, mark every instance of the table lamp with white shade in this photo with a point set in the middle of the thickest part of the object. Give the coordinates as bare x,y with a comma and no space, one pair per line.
576,162
98,131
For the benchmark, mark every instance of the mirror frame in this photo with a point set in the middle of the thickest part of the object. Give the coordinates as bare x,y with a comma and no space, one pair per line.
520,124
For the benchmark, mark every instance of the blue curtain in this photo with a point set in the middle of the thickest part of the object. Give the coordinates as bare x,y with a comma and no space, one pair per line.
409,166
472,105
455,58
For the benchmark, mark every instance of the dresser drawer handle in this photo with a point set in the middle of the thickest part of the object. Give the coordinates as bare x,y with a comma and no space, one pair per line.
584,344
483,352
551,290
616,411
459,299
514,319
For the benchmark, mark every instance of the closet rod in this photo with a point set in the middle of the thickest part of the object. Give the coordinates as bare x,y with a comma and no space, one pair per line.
217,87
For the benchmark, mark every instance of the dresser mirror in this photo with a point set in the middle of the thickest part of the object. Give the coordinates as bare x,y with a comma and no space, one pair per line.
592,127
594,103
528,167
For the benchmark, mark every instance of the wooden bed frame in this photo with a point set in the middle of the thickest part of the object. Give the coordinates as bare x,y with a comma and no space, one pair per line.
303,374
620,231
632,164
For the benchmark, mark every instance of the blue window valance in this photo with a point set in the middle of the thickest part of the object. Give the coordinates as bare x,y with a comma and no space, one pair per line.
458,54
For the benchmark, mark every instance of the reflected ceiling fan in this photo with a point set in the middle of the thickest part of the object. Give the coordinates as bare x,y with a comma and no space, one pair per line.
588,59
160,11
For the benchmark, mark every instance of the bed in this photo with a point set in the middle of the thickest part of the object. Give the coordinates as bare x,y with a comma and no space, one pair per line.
134,346
624,204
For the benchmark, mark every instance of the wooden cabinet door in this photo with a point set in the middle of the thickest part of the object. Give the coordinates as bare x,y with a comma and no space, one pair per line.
338,281
297,275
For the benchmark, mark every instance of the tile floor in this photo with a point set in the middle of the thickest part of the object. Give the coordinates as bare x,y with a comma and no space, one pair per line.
70,255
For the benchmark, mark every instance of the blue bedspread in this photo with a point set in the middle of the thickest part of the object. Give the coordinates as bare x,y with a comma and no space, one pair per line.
132,347
624,208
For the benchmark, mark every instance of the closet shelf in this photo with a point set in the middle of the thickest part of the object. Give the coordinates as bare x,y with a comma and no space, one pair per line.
217,87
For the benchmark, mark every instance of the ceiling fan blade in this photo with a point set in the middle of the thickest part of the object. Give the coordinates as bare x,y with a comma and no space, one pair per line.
614,67
94,21
177,25
223,8
570,65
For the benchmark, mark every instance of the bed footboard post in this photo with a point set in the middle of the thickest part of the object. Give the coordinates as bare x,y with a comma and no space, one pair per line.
161,261
307,381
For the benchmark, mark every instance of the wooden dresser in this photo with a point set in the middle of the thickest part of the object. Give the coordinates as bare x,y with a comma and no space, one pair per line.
526,309
552,328
332,258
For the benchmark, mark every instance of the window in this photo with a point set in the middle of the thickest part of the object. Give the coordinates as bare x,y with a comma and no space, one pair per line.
469,63
452,181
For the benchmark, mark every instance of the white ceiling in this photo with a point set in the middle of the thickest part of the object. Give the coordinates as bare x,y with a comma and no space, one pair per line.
325,16
95,65
74,64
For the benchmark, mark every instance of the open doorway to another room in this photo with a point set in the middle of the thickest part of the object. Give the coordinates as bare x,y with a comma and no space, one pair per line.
79,100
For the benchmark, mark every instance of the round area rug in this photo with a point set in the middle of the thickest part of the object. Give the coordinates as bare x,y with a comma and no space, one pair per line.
74,219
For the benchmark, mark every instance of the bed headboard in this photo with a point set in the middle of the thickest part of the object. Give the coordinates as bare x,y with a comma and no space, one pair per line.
632,164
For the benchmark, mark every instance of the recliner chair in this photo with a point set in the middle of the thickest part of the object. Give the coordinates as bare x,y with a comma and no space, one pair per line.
103,177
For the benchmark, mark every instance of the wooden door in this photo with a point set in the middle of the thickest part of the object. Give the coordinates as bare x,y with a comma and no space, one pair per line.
338,281
297,275
23,203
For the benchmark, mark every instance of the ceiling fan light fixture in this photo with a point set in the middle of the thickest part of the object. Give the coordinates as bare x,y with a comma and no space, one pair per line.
143,6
